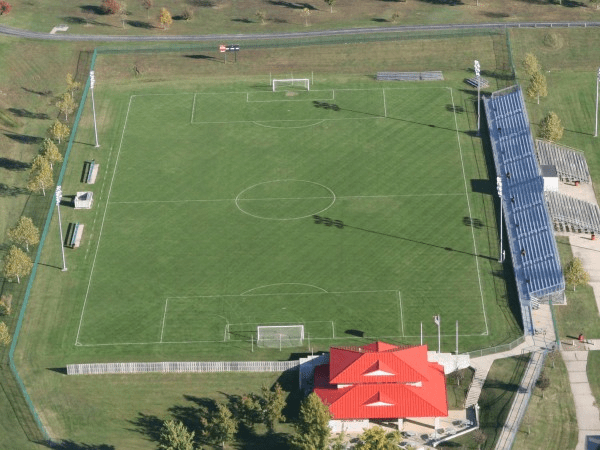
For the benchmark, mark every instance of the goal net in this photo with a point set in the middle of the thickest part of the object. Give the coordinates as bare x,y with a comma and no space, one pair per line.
291,83
278,336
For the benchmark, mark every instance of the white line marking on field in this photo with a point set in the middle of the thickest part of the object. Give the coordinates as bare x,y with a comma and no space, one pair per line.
193,109
400,309
470,214
102,224
162,329
299,126
384,105
282,284
343,197
288,293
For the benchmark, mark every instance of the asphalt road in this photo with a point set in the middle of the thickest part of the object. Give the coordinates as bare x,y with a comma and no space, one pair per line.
61,36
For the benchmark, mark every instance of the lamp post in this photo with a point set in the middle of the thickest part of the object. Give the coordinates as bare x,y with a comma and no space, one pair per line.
92,83
597,81
478,76
438,321
499,189
58,194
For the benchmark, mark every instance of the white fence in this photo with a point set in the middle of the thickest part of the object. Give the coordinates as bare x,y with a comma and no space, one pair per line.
181,367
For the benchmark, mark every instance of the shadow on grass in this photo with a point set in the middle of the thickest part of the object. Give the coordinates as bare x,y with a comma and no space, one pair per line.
61,370
11,191
201,57
443,2
92,9
24,138
379,20
28,114
245,20
147,425
293,5
72,445
140,24
13,164
32,91
74,20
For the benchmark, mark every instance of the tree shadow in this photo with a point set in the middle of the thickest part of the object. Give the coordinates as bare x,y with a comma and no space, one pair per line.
379,20
61,370
24,138
28,114
495,15
443,2
202,3
41,93
245,20
93,9
190,415
75,20
293,5
140,24
200,57
12,164
72,445
147,425
11,191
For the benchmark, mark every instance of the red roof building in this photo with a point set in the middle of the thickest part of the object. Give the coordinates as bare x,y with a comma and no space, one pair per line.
381,381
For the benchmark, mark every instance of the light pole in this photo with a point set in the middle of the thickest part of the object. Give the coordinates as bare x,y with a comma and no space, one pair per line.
62,247
92,83
597,81
478,76
499,189
438,321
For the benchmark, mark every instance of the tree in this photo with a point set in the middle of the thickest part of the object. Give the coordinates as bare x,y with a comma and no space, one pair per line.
6,304
123,13
339,443
330,3
274,402
596,2
376,438
188,13
221,426
395,16
479,437
249,409
16,264
165,18
4,335
50,152
306,13
147,5
72,85
175,436
58,131
538,87
575,274
40,176
531,64
5,7
262,16
110,6
550,127
312,429
66,104
24,233
543,383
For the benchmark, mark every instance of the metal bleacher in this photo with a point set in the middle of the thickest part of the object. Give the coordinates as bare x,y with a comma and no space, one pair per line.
532,246
570,163
570,213
410,76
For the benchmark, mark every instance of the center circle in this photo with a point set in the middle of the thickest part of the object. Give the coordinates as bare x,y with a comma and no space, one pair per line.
285,199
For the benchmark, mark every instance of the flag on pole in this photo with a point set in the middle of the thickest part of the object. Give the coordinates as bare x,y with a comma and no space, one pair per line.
436,319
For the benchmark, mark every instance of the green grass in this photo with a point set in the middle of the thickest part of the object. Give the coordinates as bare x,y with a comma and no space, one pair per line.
456,389
556,406
230,220
593,374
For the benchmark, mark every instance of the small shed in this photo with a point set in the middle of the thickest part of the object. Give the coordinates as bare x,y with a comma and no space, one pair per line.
83,200
550,175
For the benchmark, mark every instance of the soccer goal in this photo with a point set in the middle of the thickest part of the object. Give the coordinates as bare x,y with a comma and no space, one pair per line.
279,336
293,83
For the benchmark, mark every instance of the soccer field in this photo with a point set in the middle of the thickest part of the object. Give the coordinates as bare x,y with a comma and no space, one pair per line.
344,210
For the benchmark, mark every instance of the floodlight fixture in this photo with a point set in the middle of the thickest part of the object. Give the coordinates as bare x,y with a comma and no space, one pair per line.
597,81
92,84
478,76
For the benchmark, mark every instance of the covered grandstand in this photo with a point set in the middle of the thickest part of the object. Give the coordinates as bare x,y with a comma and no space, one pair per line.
532,246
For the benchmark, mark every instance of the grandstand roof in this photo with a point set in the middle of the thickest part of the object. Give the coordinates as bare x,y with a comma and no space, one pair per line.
381,381
530,233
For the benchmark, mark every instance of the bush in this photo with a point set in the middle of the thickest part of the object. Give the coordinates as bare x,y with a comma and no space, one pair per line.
110,6
553,41
5,7
187,14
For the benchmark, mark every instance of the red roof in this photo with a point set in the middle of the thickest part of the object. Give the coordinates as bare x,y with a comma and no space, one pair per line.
377,378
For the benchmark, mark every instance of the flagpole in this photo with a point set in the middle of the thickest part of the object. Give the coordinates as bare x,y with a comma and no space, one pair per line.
457,337
421,333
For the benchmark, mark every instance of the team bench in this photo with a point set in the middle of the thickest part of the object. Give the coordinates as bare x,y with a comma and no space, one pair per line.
76,235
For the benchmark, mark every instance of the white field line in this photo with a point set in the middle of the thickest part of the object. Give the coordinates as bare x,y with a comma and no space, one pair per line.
193,109
285,198
162,329
288,293
470,214
384,105
102,224
400,310
224,122
283,284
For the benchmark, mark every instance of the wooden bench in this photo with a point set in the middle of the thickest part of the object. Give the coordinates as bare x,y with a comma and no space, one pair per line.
76,236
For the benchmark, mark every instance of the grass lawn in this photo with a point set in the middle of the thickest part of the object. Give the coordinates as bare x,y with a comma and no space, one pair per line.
593,373
457,387
556,406
239,16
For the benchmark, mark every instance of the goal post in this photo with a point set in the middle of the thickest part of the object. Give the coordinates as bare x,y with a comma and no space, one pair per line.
278,336
295,83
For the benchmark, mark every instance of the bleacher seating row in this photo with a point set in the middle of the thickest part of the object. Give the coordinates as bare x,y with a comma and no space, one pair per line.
571,164
532,246
483,83
572,213
410,76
